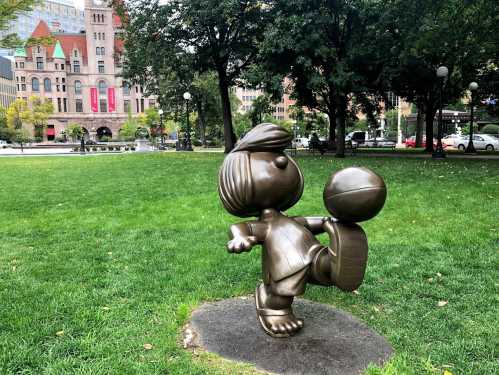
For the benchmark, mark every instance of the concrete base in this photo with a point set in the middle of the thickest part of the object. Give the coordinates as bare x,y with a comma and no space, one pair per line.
142,145
331,342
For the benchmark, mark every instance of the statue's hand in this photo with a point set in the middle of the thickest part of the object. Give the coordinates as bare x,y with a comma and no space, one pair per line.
241,244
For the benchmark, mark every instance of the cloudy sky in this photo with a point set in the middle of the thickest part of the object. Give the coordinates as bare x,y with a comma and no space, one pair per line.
79,3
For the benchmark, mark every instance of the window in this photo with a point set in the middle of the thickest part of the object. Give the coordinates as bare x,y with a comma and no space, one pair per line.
137,89
95,18
62,66
21,64
103,36
102,51
103,105
102,88
75,53
76,66
97,51
63,80
65,105
79,105
77,87
17,65
137,105
23,87
100,65
56,66
152,103
39,63
59,106
58,87
35,84
47,85
95,36
142,105
23,79
126,89
64,89
126,106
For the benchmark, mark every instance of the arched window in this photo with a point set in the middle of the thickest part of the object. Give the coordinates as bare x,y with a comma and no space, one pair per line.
47,85
77,87
76,53
102,88
94,18
35,84
102,51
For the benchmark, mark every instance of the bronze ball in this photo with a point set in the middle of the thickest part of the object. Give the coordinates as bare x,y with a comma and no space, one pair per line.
354,194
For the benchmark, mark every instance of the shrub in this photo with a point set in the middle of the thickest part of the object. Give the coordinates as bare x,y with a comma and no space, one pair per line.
490,129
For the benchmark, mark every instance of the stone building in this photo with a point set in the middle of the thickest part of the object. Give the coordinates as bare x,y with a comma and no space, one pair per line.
7,86
79,72
60,15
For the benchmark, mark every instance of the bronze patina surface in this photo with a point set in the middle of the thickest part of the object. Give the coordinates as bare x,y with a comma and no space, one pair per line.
257,179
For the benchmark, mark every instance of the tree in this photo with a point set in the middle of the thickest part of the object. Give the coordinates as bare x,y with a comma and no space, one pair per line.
129,128
9,11
323,47
74,131
217,35
38,113
150,120
425,34
259,107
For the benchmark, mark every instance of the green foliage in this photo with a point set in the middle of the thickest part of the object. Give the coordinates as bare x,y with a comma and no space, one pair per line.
129,128
9,11
242,124
490,129
259,107
74,131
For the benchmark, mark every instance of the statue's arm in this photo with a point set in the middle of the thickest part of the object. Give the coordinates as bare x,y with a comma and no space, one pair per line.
243,236
314,224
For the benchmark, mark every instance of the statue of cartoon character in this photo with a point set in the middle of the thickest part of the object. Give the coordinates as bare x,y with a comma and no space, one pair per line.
257,179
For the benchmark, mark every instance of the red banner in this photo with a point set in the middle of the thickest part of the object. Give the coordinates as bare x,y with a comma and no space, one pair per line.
94,99
111,99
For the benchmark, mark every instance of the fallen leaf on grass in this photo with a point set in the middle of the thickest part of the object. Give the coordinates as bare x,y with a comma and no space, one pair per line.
59,333
439,274
148,346
442,303
447,372
105,308
356,292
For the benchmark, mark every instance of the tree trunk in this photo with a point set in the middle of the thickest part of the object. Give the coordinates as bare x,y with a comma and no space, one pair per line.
430,111
332,128
419,124
202,122
229,136
340,123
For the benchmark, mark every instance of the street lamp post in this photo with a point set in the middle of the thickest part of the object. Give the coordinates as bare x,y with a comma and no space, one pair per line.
470,148
188,144
160,112
82,142
439,152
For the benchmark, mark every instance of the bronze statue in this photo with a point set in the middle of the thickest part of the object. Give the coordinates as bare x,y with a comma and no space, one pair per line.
258,179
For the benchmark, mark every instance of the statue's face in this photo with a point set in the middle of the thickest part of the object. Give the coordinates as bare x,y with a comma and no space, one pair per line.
277,180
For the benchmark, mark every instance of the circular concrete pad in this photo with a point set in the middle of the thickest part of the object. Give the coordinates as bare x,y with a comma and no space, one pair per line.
331,342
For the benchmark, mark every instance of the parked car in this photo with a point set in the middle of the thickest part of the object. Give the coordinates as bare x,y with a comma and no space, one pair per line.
356,137
480,141
300,142
379,142
450,139
411,142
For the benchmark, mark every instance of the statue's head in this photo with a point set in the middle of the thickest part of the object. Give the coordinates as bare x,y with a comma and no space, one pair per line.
257,174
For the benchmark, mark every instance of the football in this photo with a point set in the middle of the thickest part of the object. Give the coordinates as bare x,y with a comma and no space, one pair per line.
354,194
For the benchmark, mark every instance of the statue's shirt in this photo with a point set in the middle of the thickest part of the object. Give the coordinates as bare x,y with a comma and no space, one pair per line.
288,246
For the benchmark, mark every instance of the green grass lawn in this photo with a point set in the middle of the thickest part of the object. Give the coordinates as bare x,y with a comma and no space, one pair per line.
100,255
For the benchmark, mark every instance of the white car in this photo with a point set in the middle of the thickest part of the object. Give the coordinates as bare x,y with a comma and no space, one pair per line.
379,142
300,142
480,141
450,139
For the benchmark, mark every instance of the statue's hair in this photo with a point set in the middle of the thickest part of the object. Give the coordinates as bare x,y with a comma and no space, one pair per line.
235,184
265,137
235,180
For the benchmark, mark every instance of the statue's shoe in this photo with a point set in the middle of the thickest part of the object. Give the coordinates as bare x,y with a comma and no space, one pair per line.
276,323
346,260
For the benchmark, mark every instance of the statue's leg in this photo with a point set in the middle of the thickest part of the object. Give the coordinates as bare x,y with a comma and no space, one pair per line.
273,304
344,262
